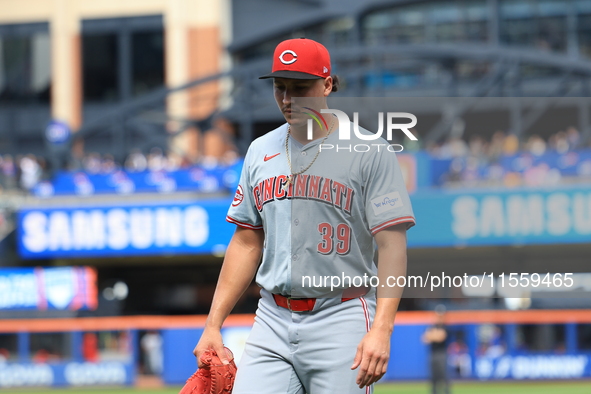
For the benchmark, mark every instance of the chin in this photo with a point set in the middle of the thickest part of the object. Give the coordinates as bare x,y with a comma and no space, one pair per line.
296,121
298,125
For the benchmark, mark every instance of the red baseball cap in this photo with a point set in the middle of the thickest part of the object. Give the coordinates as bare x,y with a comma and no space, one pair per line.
300,58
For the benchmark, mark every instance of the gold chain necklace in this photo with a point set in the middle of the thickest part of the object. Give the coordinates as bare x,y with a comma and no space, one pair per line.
290,178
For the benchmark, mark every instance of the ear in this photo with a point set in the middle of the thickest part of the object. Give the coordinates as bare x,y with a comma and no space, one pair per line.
327,86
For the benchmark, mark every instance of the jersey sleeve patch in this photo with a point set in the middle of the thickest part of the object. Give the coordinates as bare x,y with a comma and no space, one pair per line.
238,197
386,203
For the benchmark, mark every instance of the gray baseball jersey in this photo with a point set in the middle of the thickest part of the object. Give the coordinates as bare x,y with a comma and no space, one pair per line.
322,224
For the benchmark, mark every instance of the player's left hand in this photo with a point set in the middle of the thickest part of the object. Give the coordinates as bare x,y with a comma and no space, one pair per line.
373,353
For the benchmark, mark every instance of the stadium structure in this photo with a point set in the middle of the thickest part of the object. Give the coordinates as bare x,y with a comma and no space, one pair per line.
86,81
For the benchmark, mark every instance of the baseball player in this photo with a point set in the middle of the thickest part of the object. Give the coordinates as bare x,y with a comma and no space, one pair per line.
314,215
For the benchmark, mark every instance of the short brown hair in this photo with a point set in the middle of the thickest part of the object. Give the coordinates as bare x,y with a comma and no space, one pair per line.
336,83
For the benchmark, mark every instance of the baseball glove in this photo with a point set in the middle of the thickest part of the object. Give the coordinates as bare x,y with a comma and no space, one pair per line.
214,377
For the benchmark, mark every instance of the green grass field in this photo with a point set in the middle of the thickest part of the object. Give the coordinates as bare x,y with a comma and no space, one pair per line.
579,387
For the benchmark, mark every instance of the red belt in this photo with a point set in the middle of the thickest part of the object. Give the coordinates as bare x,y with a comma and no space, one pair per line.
299,304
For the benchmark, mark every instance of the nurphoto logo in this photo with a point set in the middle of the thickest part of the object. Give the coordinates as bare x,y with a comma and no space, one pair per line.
345,130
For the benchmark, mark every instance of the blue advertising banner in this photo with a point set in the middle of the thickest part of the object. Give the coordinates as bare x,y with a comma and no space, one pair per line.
543,366
506,364
508,217
195,179
151,229
110,373
444,219
71,288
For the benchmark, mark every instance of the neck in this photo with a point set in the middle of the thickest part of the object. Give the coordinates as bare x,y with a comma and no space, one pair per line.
301,135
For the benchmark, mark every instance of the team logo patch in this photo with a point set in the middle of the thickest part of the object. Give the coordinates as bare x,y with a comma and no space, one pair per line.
286,59
238,197
386,203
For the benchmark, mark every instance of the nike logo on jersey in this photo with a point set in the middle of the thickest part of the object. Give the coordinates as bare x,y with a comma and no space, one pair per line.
267,158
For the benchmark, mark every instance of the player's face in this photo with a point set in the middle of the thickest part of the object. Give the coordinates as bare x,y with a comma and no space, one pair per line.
285,89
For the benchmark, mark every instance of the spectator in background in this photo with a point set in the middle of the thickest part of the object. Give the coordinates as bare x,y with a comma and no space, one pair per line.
219,145
90,347
454,174
470,173
92,163
156,160
436,337
4,355
136,161
535,145
45,356
495,347
496,146
8,172
460,358
541,175
76,162
477,146
559,142
31,172
173,162
151,344
124,343
108,165
41,356
510,145
453,148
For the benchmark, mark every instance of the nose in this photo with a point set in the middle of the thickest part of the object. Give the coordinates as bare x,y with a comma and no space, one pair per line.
286,97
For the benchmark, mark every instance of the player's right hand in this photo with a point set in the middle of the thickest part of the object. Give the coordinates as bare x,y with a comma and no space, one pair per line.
211,339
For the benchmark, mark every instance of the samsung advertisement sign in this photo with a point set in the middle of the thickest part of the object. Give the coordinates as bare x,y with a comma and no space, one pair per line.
508,217
184,228
444,219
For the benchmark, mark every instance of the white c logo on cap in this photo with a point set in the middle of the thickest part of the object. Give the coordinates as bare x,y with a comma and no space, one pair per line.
292,53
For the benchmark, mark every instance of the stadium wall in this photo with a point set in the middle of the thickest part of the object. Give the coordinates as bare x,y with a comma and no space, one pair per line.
196,32
409,356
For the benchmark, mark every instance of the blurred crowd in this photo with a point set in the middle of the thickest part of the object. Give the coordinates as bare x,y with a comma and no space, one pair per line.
22,171
218,147
503,144
503,160
136,161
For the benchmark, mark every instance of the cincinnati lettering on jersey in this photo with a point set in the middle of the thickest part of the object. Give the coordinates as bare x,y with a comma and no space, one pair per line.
310,187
